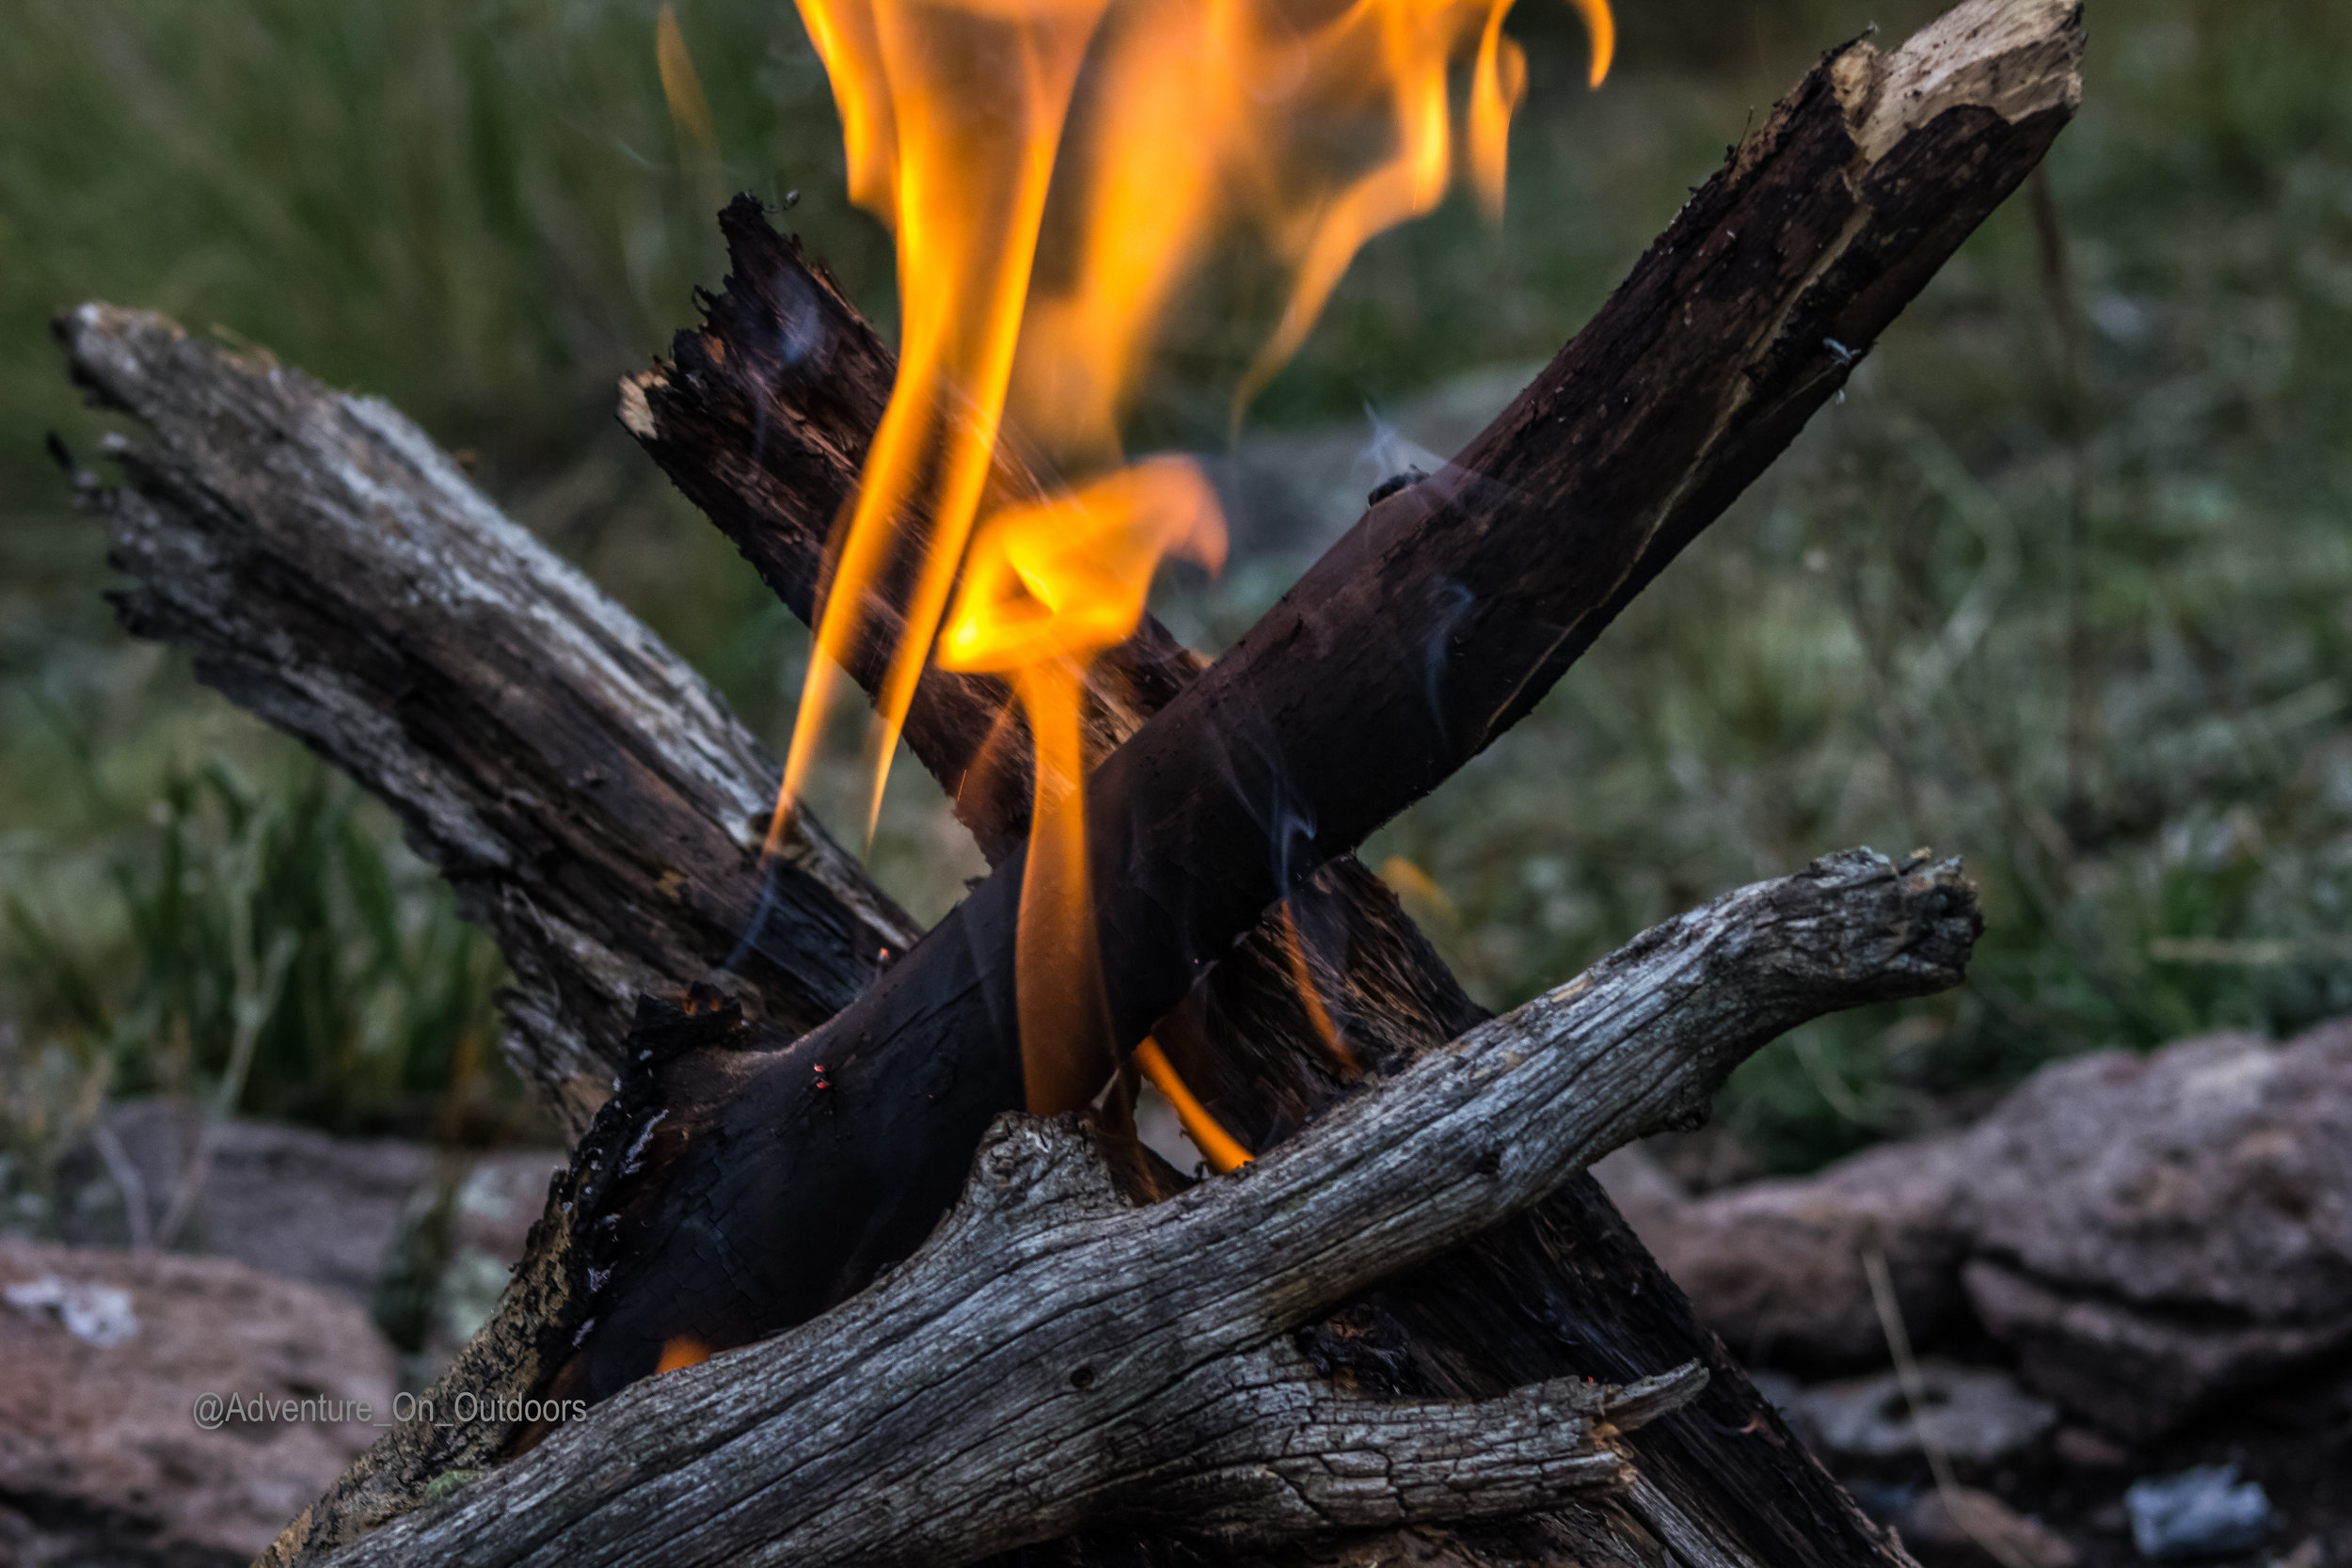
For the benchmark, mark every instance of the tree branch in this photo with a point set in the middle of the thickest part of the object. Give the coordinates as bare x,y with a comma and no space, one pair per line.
1051,1357
591,799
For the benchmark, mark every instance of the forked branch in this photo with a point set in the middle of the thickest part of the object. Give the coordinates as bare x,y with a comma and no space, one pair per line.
1051,1358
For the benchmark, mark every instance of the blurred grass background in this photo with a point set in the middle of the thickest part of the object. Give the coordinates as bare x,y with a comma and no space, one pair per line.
2060,585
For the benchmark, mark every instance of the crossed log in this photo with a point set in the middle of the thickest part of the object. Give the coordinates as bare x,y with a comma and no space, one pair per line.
595,805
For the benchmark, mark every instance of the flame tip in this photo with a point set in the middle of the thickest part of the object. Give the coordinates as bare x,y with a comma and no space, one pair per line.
954,115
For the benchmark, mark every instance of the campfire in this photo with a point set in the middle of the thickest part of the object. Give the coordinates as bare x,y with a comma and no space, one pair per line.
961,132
828,1289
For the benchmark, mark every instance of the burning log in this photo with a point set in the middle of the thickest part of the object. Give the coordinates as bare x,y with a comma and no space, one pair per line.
1743,319
1438,621
1052,1357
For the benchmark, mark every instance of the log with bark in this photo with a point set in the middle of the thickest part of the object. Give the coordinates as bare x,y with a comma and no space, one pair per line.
592,802
1054,1356
293,536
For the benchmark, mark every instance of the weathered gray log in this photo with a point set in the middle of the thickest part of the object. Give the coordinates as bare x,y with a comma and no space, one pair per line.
591,799
1051,1357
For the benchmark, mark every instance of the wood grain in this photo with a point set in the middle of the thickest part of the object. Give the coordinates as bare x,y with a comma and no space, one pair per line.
591,799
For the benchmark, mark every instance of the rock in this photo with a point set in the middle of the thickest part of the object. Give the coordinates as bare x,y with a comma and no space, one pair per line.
1964,1528
1703,1160
2146,1235
2155,1233
1644,1191
492,1212
1977,1415
95,1314
2199,1512
1775,1267
289,1200
329,1212
2214,1175
102,1458
2139,1374
1786,1395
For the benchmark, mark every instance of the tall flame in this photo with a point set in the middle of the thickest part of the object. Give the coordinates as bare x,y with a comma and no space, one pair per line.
1047,587
1198,115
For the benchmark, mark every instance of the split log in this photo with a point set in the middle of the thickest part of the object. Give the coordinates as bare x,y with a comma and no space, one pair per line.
592,802
1051,1356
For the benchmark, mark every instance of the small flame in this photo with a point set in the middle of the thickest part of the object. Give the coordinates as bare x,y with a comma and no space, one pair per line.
680,84
1046,588
1198,115
1216,1144
1311,995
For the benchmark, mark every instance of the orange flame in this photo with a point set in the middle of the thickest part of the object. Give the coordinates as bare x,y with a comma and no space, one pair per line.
1310,997
1217,1146
1198,115
680,1351
1047,587
950,115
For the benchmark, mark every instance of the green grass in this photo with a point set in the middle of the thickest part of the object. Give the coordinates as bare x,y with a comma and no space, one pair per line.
483,213
1901,637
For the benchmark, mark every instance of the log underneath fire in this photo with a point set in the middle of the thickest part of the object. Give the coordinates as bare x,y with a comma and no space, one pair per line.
1053,1357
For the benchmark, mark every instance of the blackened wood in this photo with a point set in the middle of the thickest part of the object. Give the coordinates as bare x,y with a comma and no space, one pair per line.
762,418
591,799
1052,1356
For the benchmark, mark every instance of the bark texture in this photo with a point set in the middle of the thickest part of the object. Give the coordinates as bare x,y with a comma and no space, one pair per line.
1051,1355
591,799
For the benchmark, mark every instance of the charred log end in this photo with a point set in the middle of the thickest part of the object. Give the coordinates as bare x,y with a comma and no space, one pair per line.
518,1357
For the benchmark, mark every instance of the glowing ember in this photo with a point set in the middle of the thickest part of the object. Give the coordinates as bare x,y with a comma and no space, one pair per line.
1311,998
1200,116
683,1350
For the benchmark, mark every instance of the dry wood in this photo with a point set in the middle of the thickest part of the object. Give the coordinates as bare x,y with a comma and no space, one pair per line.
1051,1356
591,799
